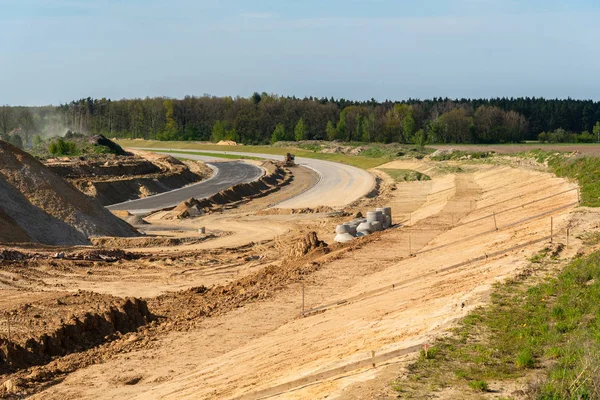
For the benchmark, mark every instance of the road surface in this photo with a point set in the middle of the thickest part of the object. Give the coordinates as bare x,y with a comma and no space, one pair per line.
227,175
339,185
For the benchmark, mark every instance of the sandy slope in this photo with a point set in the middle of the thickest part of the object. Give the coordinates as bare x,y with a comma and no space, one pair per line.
37,204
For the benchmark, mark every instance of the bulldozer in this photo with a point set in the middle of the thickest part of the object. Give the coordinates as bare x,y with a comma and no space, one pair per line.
290,160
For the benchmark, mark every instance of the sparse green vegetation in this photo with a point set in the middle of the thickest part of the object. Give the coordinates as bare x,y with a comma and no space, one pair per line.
552,323
61,147
479,386
585,169
460,155
405,175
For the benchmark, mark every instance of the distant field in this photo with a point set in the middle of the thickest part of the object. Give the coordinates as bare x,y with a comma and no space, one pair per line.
587,148
356,161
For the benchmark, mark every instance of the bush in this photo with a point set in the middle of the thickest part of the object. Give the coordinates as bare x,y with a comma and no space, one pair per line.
525,359
585,137
61,147
480,386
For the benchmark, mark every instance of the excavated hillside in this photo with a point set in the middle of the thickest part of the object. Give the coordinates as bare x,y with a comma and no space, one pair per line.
36,205
113,179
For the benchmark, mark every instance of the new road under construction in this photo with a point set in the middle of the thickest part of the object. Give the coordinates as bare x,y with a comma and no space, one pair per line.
251,275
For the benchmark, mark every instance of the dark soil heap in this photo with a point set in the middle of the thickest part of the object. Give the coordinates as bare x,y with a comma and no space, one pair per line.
37,205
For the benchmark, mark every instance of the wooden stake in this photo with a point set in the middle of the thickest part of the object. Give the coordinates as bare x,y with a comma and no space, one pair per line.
495,223
409,244
303,299
551,229
578,196
372,357
567,238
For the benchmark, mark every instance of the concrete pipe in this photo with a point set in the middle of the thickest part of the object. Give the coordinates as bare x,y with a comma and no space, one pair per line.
387,221
385,210
361,234
376,226
371,216
365,227
202,230
342,229
343,238
351,229
379,215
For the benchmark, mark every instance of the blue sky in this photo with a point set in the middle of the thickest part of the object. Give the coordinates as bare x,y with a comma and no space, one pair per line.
54,51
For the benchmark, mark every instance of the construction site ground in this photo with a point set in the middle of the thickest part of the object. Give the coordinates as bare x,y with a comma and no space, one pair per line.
226,307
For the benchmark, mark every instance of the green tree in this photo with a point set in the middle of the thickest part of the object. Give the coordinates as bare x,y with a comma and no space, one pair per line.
368,128
330,131
597,131
278,134
420,138
359,128
408,127
170,132
219,131
61,147
342,127
300,130
37,140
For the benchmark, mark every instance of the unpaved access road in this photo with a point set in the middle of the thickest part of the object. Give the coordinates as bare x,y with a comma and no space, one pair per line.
227,175
339,184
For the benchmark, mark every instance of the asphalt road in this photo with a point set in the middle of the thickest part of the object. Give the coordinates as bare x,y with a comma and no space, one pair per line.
339,185
227,174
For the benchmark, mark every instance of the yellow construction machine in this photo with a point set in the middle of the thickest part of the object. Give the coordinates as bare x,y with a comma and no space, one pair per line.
290,160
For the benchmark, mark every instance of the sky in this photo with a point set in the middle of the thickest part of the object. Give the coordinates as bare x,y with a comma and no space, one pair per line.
55,51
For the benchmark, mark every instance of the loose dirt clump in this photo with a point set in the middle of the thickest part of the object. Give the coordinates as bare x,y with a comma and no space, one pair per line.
36,205
307,244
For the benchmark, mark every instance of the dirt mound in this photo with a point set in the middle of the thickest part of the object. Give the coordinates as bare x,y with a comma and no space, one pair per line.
36,205
136,220
100,140
227,143
307,244
45,329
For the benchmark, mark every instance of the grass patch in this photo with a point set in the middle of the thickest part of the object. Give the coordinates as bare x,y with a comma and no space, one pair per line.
405,175
462,155
554,323
216,155
585,169
356,161
479,386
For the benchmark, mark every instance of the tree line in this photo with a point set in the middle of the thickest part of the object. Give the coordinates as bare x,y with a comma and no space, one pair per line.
264,118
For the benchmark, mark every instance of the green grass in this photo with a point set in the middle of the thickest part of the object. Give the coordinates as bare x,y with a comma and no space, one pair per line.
216,155
586,170
405,175
553,324
457,155
356,161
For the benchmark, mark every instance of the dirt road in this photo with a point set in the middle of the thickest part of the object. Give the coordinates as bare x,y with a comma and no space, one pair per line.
227,174
339,184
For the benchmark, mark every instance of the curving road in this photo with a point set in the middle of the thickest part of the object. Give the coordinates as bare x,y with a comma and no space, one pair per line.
227,174
339,185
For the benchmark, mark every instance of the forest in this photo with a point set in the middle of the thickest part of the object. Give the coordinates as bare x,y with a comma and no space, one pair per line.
267,118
